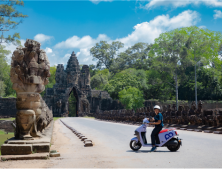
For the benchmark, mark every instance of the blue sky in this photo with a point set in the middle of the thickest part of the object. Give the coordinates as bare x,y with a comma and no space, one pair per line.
65,26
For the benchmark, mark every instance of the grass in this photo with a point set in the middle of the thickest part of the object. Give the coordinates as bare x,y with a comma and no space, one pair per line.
34,151
55,118
89,117
4,137
11,118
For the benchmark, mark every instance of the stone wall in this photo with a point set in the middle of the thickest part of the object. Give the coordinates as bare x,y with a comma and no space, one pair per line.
7,107
184,116
6,125
206,104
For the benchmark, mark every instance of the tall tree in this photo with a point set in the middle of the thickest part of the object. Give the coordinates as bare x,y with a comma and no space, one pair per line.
105,53
133,57
169,52
10,18
203,45
179,48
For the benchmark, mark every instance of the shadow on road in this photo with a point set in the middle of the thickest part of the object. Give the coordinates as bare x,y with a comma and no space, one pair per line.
145,151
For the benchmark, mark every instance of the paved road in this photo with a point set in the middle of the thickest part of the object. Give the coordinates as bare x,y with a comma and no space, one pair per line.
199,150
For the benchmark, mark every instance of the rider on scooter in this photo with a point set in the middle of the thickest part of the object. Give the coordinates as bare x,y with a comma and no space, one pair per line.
158,122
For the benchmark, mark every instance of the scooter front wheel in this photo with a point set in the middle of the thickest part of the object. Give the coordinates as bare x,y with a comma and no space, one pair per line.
134,145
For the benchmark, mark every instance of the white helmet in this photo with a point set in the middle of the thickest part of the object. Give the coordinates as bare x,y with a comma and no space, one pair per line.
156,107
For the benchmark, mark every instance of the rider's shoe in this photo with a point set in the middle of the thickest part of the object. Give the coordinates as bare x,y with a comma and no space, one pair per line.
153,149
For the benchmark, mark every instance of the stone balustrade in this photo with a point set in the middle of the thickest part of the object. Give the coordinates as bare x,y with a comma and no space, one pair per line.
183,116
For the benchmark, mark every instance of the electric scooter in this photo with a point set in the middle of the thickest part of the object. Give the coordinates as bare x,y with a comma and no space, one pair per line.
166,138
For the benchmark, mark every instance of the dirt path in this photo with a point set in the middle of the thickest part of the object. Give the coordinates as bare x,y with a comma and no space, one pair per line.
73,153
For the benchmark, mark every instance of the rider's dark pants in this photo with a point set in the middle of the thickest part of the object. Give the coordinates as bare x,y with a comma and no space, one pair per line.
154,134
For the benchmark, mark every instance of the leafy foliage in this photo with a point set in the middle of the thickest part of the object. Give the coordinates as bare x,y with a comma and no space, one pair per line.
10,18
132,98
72,106
51,79
124,80
100,79
134,57
105,53
5,82
165,70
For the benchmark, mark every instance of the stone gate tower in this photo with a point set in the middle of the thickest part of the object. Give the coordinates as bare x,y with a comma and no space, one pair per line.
76,81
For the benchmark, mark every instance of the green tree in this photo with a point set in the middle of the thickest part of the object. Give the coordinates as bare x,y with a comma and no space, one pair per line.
10,18
4,72
72,105
203,45
134,57
208,83
51,79
105,53
2,88
177,49
92,70
125,79
100,79
169,52
157,86
132,98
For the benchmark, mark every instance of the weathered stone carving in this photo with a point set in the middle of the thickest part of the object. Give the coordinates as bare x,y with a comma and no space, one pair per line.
184,115
77,81
29,75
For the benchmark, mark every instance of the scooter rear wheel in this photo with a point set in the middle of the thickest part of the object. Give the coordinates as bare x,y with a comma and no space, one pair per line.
135,146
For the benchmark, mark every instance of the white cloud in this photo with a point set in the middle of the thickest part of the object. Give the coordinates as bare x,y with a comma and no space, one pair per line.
42,38
98,1
202,26
182,3
67,56
218,14
55,59
84,56
214,3
48,50
84,42
148,31
143,32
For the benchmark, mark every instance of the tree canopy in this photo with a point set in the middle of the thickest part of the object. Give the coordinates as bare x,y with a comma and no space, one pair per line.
166,69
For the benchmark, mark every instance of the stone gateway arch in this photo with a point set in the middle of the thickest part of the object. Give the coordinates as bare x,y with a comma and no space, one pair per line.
76,81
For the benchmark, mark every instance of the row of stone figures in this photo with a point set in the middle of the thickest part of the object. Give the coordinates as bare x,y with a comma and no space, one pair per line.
183,116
